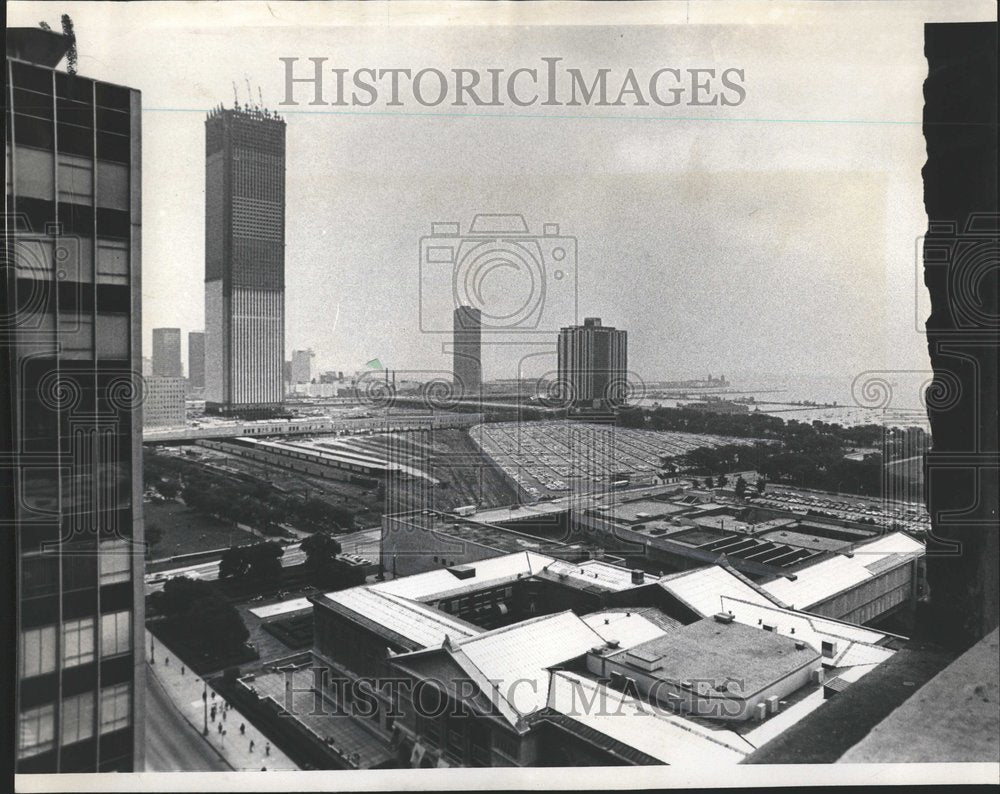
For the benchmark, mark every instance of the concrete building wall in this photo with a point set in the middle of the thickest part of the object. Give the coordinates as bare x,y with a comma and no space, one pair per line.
216,376
873,599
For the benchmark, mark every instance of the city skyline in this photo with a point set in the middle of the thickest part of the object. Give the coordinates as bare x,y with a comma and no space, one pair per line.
668,181
499,423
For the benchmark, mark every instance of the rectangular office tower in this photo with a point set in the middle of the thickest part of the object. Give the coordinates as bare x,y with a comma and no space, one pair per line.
244,262
593,365
167,353
71,483
467,353
302,366
196,360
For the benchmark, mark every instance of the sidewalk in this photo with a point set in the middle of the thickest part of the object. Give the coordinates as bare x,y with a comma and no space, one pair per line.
186,690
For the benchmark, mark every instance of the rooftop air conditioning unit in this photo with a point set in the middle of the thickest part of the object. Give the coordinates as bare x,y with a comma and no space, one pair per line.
638,577
723,617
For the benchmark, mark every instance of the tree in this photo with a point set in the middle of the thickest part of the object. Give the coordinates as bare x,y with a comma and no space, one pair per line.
760,485
708,482
321,549
261,561
322,514
721,481
208,620
168,488
741,487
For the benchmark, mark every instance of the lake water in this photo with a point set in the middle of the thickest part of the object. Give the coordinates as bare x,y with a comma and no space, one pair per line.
890,398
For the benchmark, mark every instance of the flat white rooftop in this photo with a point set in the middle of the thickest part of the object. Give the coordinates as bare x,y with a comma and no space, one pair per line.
824,579
666,737
703,589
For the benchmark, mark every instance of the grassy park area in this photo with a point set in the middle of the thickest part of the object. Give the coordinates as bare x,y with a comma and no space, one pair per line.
183,530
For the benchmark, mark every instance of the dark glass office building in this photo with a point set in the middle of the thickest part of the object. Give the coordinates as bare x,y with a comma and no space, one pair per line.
467,352
244,261
71,477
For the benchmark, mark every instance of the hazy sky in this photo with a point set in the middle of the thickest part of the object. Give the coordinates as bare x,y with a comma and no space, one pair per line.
778,236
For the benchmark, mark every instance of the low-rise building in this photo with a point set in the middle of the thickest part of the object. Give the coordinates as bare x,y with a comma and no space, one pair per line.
523,659
716,668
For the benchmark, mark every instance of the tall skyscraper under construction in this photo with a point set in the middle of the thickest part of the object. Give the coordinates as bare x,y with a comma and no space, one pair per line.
244,261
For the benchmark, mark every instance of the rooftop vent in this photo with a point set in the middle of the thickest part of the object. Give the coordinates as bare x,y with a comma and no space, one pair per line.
723,617
799,645
638,577
463,571
614,643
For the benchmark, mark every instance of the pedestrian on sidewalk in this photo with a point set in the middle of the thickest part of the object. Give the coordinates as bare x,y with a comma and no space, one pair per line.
251,745
267,749
220,727
166,661
243,728
182,669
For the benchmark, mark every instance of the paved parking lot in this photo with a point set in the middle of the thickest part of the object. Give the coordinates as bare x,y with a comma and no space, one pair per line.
556,457
910,516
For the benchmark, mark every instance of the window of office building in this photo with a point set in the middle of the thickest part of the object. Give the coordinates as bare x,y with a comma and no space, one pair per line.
79,569
113,181
78,642
115,708
36,731
116,633
39,572
77,718
76,179
112,336
112,261
76,333
116,561
38,651
33,168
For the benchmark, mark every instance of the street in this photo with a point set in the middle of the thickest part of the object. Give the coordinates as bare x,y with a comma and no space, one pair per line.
172,745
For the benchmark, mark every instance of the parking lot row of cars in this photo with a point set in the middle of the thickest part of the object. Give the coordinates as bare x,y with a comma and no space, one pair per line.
912,517
561,456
